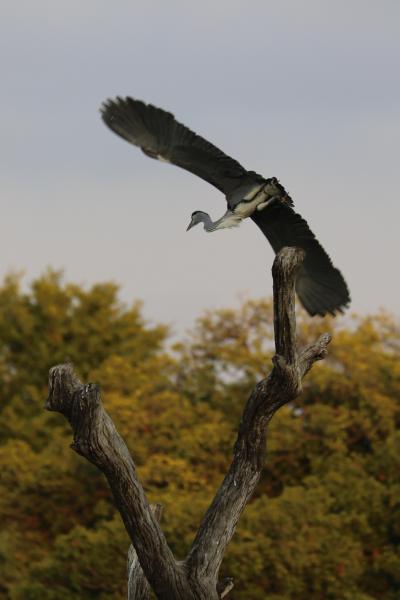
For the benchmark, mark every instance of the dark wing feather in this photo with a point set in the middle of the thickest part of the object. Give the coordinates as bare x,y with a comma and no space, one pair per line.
320,286
159,135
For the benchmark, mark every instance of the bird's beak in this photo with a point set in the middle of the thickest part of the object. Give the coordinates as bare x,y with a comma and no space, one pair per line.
189,226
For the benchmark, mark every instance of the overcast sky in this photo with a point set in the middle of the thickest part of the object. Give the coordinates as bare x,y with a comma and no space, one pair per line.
306,90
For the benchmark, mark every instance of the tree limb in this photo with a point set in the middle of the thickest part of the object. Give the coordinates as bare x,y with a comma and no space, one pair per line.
96,438
138,586
225,587
279,388
311,354
284,271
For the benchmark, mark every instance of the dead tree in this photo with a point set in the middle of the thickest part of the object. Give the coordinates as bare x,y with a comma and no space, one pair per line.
151,563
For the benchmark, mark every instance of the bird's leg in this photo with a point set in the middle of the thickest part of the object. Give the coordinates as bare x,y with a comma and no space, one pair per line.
266,203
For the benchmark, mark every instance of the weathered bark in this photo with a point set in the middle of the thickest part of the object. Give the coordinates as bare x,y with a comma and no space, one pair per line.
95,437
138,586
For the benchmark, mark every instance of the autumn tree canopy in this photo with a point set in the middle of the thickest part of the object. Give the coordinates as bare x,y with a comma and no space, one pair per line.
325,520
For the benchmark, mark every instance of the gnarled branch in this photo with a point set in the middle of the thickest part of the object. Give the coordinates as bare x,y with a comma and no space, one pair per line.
96,438
279,388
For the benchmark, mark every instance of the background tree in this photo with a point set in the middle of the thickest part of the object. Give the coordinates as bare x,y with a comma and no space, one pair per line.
331,484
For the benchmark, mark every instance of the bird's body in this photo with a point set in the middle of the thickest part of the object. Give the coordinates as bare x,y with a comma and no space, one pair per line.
320,286
242,204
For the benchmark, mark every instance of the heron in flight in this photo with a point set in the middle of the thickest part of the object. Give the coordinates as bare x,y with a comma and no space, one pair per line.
319,285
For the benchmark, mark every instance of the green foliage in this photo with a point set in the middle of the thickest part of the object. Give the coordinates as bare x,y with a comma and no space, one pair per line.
325,520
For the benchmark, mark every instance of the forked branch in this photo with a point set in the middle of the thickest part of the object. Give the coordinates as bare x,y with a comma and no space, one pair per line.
95,437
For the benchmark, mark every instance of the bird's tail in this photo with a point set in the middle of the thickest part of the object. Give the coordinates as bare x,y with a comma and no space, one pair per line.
320,287
321,290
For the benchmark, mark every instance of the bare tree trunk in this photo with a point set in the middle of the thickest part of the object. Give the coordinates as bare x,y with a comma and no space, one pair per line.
150,561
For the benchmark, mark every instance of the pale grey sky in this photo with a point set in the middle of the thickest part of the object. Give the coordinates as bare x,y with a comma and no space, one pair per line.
308,91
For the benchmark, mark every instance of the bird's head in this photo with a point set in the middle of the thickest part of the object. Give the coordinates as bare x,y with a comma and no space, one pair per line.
198,216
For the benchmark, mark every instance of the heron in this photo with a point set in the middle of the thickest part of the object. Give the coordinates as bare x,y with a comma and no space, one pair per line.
320,286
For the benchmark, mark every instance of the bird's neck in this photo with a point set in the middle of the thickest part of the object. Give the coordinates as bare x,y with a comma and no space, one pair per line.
210,225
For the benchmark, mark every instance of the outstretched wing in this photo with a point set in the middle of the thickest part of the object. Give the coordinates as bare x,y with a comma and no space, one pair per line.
320,286
160,136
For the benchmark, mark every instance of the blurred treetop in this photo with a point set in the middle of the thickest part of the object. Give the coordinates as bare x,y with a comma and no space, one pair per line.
325,521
